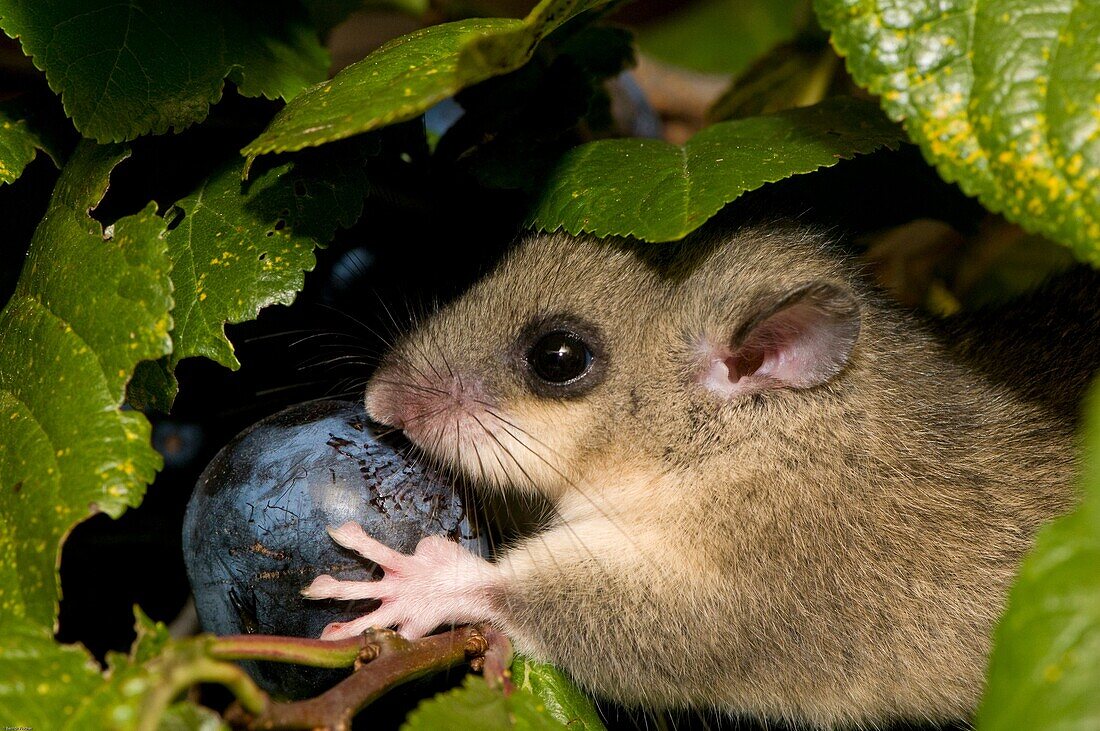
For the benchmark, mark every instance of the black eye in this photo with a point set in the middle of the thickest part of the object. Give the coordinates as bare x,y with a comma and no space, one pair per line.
559,357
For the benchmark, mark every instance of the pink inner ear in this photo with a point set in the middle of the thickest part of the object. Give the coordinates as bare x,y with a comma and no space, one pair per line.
801,345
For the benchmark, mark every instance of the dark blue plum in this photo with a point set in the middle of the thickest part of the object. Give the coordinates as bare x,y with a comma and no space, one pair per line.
254,534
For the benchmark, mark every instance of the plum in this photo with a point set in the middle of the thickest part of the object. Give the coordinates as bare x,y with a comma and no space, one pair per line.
254,533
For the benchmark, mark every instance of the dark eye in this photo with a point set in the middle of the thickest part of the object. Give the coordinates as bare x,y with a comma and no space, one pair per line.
559,357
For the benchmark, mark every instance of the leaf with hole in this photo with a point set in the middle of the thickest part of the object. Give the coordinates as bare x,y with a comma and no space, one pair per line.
239,246
90,305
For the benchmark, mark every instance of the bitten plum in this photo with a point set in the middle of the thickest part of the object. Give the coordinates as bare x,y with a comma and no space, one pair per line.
254,532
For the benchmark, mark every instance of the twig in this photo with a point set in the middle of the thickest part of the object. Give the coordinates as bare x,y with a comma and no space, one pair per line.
495,664
387,660
297,650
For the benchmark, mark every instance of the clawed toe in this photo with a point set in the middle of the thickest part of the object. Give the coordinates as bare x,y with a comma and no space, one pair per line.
353,537
385,616
326,587
320,588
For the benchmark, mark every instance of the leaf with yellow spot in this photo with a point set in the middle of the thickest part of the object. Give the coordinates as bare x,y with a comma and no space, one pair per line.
1045,669
1000,95
42,683
45,685
406,76
67,449
238,246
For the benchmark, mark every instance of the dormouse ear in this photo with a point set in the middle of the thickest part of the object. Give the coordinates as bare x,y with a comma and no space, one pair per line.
800,339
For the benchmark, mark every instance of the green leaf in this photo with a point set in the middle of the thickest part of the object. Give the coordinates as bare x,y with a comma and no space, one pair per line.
721,36
476,705
660,192
271,51
138,687
89,306
47,685
1045,669
20,141
41,682
241,246
562,700
125,69
406,76
1001,96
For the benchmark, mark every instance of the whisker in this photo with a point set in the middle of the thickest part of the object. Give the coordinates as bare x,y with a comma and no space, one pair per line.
415,346
289,387
414,386
540,536
492,412
568,481
386,340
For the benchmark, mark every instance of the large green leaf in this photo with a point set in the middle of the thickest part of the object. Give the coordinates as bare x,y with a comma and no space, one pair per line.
129,68
20,141
477,706
241,246
660,192
406,76
1001,96
90,305
1045,670
561,699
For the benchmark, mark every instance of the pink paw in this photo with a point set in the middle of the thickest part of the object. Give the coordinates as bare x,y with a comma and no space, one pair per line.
439,583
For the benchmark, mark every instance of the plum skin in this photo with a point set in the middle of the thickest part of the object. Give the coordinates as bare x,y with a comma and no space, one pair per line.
255,529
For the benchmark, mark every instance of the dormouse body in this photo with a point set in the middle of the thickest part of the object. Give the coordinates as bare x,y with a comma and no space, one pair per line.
773,491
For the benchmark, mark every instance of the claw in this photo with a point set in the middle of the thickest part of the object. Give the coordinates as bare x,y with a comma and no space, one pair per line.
319,588
344,630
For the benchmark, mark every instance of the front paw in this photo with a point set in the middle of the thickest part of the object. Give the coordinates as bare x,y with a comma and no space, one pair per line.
439,583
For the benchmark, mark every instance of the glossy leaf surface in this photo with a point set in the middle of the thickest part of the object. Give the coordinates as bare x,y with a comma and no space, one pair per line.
1000,95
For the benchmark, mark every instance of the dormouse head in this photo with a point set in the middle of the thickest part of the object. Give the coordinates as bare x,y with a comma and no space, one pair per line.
577,353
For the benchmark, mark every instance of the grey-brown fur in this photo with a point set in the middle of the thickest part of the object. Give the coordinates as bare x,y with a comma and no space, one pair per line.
836,555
